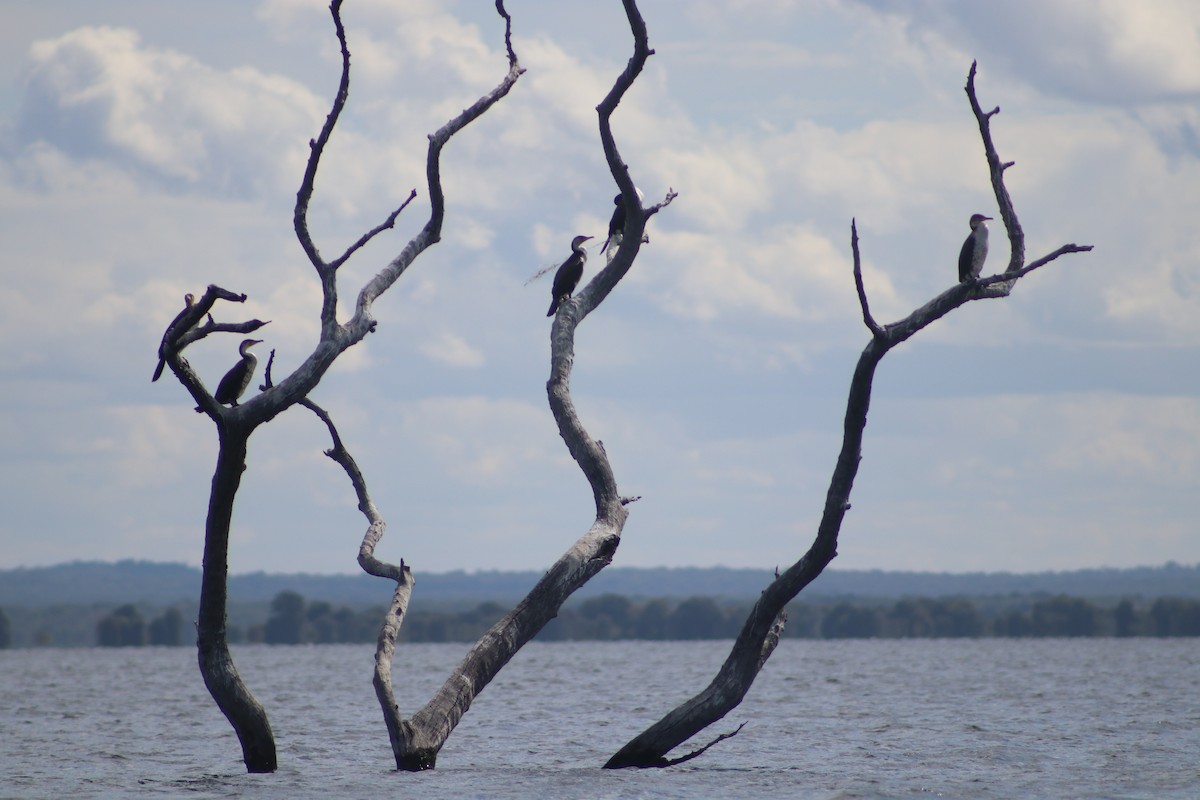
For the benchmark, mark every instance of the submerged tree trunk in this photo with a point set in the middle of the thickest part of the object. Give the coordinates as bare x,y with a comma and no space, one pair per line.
244,712
760,633
234,425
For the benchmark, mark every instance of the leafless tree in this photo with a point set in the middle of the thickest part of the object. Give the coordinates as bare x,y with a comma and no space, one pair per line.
760,633
417,739
236,424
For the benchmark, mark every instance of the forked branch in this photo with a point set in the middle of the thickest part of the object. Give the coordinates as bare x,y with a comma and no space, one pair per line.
418,739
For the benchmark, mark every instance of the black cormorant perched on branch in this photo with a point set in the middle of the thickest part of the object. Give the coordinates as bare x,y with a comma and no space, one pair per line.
189,300
234,384
616,225
974,250
569,273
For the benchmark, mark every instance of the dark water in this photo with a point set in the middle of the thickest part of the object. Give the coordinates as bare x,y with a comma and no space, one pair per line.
864,719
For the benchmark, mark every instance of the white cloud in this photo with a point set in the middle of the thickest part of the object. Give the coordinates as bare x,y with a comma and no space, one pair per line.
991,483
789,272
99,93
452,350
481,441
133,172
1096,50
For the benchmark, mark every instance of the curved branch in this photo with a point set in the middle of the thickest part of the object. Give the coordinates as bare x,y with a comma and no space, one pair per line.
868,320
431,233
337,338
385,648
635,216
1016,236
423,735
316,146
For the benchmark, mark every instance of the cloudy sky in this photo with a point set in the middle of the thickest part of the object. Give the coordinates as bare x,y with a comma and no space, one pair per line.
148,149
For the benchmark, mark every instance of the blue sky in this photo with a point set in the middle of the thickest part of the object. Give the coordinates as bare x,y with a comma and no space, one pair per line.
149,149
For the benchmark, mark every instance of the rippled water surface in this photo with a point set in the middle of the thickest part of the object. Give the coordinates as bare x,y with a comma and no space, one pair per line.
863,719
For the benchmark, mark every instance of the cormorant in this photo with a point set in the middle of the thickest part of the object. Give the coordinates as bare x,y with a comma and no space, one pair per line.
189,300
234,384
569,273
616,225
974,250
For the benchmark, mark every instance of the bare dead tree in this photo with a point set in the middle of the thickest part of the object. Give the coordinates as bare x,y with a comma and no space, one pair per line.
417,740
760,633
235,425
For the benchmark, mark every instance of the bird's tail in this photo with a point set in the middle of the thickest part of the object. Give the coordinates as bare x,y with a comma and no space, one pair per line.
553,307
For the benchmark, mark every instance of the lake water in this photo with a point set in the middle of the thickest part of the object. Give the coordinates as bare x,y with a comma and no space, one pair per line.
993,718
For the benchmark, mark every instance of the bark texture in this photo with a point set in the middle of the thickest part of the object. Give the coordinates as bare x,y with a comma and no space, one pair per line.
239,706
760,633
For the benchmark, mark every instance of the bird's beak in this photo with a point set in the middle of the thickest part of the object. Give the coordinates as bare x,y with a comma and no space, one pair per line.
987,218
588,237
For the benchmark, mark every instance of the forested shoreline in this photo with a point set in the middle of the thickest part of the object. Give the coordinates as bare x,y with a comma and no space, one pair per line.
291,619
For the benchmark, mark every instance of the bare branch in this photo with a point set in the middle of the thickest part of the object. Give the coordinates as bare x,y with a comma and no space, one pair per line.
385,648
317,146
1008,278
1016,236
390,222
210,327
666,201
432,232
858,283
672,762
508,46
635,216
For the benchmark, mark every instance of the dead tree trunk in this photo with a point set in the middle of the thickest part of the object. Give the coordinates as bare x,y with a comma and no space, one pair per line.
239,706
236,424
760,633
417,740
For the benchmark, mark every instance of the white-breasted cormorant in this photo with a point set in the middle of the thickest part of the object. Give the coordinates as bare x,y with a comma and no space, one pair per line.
569,273
616,224
234,384
974,249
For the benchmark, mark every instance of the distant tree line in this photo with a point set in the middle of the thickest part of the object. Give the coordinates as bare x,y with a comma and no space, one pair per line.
5,631
125,627
293,620
615,617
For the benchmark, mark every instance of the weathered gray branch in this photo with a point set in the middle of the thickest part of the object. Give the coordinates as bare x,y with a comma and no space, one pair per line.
754,643
868,320
401,574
